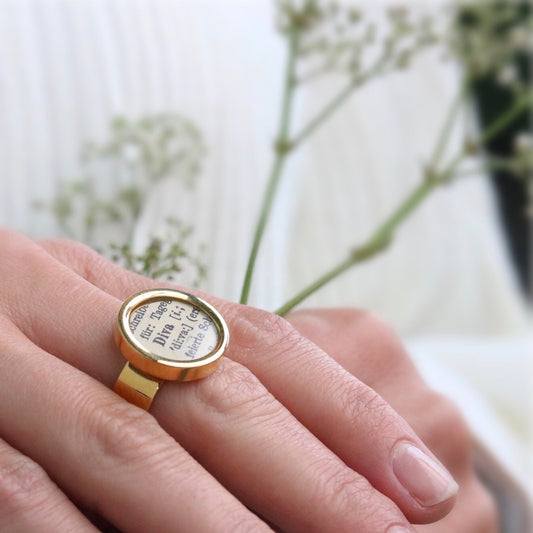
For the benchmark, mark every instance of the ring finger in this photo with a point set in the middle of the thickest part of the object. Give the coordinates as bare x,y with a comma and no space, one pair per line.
114,460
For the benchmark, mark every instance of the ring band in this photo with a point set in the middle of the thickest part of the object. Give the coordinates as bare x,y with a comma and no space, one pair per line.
166,335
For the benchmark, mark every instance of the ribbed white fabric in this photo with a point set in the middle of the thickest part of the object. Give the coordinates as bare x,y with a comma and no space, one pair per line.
67,67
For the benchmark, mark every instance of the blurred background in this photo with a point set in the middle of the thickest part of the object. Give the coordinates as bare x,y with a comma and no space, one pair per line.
147,128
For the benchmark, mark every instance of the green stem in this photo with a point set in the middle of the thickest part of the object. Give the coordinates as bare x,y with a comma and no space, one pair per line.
337,101
500,123
283,147
383,235
492,164
324,114
375,244
312,75
448,124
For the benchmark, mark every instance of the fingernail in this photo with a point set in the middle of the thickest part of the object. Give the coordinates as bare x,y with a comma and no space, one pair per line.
426,480
399,529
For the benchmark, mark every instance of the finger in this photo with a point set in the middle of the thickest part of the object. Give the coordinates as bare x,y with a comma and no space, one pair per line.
369,349
349,417
365,346
358,341
262,453
30,501
474,512
269,460
112,458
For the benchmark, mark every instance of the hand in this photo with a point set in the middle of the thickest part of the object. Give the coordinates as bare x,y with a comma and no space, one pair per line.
370,350
281,434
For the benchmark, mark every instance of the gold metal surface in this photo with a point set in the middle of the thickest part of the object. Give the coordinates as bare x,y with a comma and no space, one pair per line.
135,387
140,378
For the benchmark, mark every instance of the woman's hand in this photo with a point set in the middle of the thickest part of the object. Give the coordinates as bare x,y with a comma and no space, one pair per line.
281,434
370,350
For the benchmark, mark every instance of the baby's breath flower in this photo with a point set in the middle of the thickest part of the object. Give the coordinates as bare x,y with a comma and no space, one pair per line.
119,175
521,162
345,40
507,75
488,36
523,142
521,38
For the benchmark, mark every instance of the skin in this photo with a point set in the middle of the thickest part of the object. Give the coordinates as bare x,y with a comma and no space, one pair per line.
370,349
283,430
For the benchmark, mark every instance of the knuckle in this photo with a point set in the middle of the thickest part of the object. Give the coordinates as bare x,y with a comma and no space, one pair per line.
118,435
368,319
86,261
17,251
9,238
352,500
380,330
357,400
23,483
66,245
15,267
379,351
232,391
65,248
255,327
336,489
385,350
446,432
73,252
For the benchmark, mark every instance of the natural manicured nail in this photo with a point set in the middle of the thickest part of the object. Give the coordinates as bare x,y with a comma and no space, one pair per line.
426,480
399,529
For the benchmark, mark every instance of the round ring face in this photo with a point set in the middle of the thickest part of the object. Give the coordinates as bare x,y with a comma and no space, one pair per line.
170,334
174,330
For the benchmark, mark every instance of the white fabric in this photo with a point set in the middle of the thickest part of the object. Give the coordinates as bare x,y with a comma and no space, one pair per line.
490,380
67,67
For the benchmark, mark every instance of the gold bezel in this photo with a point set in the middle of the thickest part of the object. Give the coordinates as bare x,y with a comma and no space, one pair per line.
157,366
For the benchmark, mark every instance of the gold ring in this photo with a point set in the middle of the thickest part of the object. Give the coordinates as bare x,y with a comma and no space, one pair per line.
166,335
